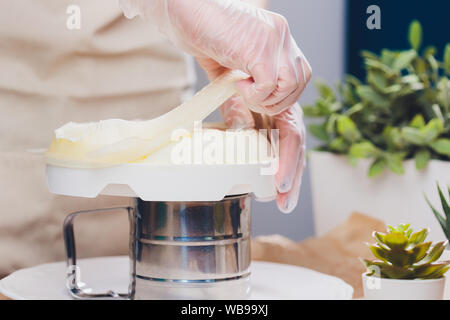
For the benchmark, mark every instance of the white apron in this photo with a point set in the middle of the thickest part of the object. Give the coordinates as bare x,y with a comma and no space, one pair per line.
111,67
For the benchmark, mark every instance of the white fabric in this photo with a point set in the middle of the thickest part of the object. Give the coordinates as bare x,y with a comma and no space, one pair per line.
111,67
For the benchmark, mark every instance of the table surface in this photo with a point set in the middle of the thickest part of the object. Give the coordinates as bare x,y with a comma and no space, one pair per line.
2,297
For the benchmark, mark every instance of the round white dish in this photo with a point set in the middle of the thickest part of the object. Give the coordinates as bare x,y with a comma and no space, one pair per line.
269,281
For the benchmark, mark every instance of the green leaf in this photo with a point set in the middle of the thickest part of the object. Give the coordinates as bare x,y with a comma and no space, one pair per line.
429,51
379,253
438,112
433,63
422,157
347,128
438,273
393,137
400,258
425,135
312,111
363,150
404,60
379,237
413,135
339,145
371,96
408,233
323,106
354,81
377,79
369,55
420,66
355,109
335,106
383,270
378,65
394,89
331,124
434,254
427,270
418,122
447,59
396,240
418,237
395,272
377,167
443,94
395,163
442,146
419,252
387,57
444,203
415,35
442,220
372,266
319,131
432,130
325,91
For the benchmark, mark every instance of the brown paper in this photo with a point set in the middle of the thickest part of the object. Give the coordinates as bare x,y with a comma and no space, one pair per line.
337,253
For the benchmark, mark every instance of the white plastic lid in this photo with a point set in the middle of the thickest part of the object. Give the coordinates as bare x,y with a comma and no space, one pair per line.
158,182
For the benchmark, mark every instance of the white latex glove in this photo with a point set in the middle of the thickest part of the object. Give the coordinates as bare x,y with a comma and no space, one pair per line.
292,146
231,34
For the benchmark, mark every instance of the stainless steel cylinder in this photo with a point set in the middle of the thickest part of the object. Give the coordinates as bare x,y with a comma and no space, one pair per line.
178,250
190,249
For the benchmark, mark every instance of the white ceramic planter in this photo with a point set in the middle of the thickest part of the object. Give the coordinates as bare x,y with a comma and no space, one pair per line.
339,190
446,256
393,289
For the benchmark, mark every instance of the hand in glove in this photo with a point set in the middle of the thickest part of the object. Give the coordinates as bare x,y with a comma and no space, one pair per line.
231,34
291,146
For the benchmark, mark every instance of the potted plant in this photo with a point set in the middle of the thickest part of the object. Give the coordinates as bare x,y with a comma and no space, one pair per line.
406,266
442,218
385,140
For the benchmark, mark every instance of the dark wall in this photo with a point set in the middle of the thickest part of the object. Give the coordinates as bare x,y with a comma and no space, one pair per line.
396,16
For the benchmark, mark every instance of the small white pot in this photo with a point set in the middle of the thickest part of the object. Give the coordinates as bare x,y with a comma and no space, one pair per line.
393,289
446,256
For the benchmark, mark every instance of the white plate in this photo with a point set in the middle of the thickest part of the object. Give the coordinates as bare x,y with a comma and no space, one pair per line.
268,280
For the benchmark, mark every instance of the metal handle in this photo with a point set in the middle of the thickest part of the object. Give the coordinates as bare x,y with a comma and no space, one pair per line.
72,274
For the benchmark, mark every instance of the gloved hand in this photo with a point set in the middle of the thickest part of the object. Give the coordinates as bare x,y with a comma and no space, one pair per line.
231,34
291,146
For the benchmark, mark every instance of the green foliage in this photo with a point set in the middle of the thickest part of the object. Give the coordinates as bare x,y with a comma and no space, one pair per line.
404,254
402,111
444,219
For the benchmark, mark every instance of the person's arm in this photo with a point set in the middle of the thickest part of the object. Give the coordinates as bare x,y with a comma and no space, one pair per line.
233,34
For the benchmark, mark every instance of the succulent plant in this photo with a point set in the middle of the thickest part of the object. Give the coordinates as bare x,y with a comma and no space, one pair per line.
444,219
401,111
403,254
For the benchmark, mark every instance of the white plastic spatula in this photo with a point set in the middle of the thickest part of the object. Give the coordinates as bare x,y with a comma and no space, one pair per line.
76,148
